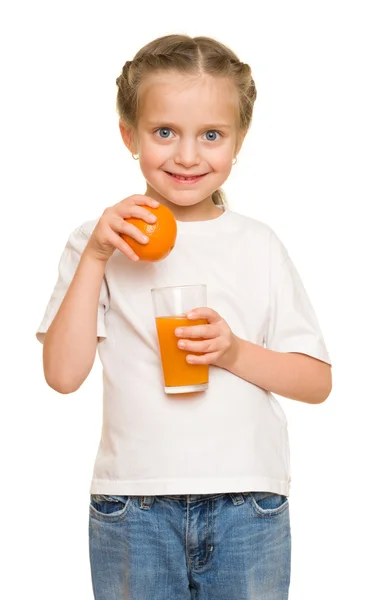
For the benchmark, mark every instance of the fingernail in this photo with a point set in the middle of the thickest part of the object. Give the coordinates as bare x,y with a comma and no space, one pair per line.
178,331
145,238
181,344
190,314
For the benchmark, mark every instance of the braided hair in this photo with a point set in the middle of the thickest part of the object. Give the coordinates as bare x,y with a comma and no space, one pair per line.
183,54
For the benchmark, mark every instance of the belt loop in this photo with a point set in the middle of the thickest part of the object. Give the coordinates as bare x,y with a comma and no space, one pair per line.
237,499
146,502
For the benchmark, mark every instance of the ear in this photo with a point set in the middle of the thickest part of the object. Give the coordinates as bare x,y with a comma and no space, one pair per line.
128,137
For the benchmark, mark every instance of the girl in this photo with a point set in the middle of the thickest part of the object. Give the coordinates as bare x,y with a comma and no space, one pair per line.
189,495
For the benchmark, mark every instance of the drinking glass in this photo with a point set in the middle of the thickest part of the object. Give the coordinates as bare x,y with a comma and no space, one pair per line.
170,307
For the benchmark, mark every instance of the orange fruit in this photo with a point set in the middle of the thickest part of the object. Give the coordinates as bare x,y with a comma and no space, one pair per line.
161,234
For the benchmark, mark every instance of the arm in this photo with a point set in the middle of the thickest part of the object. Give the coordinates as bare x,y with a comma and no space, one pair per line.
71,339
293,375
70,342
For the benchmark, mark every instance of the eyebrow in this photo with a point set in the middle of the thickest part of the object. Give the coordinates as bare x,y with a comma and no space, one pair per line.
163,122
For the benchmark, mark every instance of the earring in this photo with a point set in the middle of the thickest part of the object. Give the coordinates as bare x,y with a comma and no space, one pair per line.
235,160
135,157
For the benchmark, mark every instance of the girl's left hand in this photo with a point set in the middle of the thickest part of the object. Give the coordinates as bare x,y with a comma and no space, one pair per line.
215,340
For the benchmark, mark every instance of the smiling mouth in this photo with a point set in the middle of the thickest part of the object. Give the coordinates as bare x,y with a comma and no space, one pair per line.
185,178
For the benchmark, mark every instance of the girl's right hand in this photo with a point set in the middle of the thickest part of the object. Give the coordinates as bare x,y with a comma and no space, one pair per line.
105,238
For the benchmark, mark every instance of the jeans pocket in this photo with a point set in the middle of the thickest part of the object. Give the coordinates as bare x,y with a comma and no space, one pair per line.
268,504
109,508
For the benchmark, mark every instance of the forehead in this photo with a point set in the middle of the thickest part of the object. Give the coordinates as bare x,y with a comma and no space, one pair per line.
172,96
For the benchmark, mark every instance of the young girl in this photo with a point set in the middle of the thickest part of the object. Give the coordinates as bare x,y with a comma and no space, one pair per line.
189,495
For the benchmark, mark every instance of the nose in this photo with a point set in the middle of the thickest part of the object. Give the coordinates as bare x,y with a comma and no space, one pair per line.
187,153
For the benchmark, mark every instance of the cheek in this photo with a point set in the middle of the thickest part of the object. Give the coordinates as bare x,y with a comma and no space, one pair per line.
223,162
146,162
224,156
153,155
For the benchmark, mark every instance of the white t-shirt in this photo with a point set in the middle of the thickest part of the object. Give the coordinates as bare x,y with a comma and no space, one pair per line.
232,437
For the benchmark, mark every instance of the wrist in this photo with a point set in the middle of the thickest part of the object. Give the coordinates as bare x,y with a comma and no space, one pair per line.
230,358
90,256
90,266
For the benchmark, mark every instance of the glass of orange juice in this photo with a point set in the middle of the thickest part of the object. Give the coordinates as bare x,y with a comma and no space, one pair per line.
170,307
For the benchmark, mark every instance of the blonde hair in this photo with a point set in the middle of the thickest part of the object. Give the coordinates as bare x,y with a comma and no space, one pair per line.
187,55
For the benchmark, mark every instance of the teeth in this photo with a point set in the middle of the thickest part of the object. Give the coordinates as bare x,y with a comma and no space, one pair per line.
184,178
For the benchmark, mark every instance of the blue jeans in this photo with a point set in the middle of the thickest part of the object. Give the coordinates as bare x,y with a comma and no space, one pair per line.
207,547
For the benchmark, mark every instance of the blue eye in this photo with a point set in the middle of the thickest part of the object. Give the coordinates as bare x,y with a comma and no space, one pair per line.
164,132
211,135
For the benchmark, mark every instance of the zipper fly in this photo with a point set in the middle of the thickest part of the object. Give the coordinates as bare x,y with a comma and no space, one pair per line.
199,532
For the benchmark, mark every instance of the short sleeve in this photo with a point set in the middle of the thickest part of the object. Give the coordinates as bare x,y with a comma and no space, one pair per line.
67,267
293,325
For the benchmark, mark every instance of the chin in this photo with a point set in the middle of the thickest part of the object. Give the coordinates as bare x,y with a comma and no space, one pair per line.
185,201
183,197
179,197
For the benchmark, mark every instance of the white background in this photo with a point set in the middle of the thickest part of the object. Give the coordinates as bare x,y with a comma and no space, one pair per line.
302,170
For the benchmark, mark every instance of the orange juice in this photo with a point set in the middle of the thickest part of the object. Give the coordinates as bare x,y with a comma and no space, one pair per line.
176,371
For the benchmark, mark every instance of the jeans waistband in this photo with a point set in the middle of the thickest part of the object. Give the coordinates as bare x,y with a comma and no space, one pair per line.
237,498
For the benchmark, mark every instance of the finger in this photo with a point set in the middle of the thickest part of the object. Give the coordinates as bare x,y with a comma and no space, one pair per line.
137,212
197,331
203,359
203,346
121,226
142,200
204,312
117,242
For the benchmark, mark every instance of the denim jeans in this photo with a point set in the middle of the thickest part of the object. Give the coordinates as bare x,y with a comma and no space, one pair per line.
206,547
